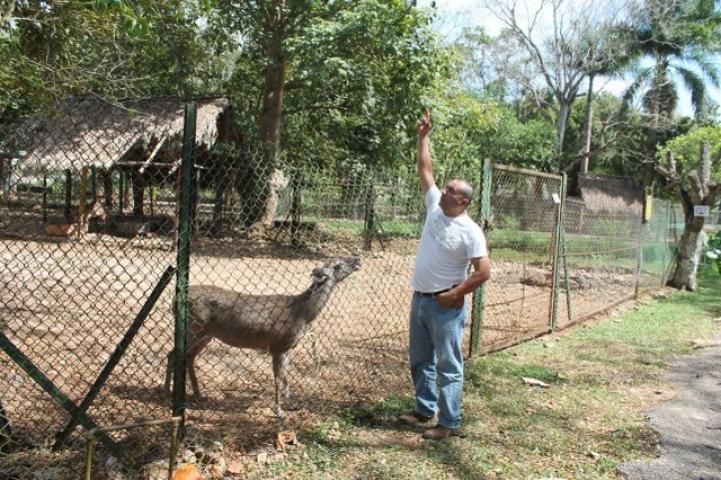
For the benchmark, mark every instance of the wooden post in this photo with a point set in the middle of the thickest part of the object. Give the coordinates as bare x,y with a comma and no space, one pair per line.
369,227
45,197
81,202
68,195
94,183
121,190
107,175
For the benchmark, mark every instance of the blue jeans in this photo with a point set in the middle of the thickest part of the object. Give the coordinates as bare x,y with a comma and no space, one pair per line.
435,352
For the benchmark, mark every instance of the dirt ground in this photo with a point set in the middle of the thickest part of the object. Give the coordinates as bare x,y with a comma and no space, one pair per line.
66,305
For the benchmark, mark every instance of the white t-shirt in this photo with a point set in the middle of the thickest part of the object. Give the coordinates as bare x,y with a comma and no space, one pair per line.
447,245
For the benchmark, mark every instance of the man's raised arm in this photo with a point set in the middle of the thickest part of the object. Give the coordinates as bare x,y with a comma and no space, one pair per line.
425,167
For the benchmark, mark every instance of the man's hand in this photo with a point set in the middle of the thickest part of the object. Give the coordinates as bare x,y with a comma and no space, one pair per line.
449,299
454,297
424,164
424,124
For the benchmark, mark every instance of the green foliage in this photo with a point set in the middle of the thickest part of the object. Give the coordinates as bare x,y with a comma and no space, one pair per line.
679,37
51,50
686,149
712,250
469,129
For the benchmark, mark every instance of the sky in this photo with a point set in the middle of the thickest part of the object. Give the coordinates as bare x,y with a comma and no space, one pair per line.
454,15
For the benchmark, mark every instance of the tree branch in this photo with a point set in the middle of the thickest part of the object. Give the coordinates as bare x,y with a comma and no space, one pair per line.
696,187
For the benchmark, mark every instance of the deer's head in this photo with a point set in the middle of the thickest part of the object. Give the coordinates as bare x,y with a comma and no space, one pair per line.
335,270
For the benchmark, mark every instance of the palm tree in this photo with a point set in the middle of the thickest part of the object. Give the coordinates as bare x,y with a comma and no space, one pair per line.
679,37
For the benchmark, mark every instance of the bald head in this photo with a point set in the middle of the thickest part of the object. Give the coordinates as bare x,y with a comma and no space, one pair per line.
464,188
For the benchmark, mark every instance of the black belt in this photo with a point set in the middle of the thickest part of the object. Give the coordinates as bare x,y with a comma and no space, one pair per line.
433,294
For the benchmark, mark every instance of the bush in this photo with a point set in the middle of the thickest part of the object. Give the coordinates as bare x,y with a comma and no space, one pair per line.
712,251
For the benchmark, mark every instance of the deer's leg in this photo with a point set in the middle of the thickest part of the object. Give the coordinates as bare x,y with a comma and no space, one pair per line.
193,351
286,387
279,370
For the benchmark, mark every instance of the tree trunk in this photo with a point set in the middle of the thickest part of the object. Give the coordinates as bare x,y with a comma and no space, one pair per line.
4,183
263,194
701,191
587,128
689,253
216,225
561,123
652,131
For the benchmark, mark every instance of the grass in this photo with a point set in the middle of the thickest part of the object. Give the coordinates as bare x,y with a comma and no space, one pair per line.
601,378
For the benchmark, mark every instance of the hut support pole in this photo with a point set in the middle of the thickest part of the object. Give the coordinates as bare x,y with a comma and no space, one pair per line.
121,191
108,188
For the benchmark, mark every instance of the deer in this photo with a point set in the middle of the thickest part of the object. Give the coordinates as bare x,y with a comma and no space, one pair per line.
269,323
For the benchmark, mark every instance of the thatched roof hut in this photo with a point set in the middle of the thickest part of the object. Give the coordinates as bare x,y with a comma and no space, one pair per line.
88,131
607,193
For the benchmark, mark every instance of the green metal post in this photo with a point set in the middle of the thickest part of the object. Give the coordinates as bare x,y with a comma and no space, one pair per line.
183,258
558,253
665,233
479,295
639,261
116,355
564,258
46,384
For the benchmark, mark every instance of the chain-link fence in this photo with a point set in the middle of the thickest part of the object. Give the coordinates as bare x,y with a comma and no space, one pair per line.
524,213
87,222
298,279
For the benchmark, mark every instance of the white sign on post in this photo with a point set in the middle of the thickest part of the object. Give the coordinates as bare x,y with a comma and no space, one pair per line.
701,210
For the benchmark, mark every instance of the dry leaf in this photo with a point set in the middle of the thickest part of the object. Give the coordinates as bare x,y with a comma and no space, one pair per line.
235,467
284,438
534,382
187,472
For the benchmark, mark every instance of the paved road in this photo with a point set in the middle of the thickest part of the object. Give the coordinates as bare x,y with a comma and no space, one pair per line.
689,425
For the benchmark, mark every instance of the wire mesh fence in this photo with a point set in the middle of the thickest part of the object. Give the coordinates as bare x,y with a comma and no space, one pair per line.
599,261
524,210
298,295
87,235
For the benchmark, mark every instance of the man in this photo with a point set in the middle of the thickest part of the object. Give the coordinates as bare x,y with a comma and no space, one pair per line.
449,242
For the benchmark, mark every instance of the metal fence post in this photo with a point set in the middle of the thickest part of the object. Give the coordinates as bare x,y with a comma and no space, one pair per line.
666,234
641,240
479,295
558,252
183,258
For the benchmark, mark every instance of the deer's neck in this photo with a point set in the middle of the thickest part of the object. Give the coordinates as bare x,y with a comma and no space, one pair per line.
310,303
